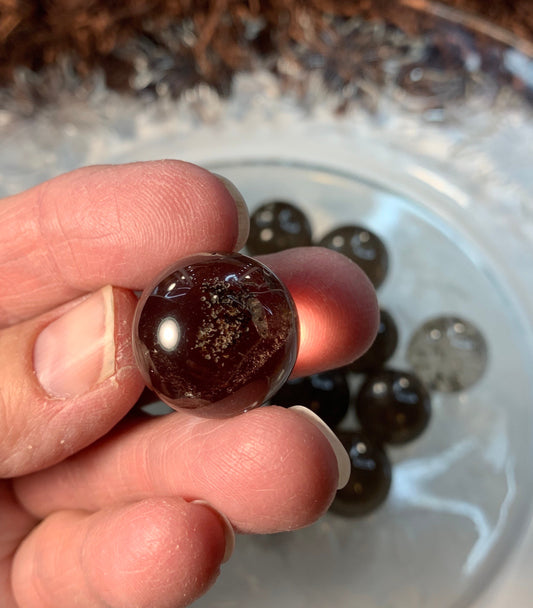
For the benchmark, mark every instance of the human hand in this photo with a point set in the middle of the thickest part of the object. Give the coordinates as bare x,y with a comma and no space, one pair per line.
98,509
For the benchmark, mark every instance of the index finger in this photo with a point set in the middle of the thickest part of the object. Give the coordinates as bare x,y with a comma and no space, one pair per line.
102,225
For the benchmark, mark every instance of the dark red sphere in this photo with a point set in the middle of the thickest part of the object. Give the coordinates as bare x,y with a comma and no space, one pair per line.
216,333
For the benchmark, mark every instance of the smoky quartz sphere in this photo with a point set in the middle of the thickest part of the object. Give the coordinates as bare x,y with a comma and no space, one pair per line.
393,406
370,475
216,333
278,225
382,348
449,353
363,247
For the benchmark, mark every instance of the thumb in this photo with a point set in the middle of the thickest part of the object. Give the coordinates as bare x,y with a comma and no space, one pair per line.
66,378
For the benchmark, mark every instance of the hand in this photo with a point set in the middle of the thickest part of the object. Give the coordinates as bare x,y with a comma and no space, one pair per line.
98,509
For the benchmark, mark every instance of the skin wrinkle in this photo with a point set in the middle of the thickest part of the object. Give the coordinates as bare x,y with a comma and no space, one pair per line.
162,186
5,583
154,461
249,458
6,318
89,227
170,221
241,461
153,543
11,447
11,214
27,231
25,520
206,211
195,468
102,227
84,569
43,553
42,199
4,415
245,458
153,537
241,458
144,464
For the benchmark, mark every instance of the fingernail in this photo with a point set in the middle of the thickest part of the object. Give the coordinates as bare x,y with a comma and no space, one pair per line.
228,528
242,211
76,352
343,460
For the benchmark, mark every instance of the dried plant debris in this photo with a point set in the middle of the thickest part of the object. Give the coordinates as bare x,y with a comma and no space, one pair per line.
163,48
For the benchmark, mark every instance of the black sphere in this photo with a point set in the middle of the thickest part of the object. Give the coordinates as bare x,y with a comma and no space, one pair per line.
382,348
277,225
363,247
327,394
370,476
393,406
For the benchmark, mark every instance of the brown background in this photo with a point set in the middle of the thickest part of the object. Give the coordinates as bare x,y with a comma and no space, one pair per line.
35,34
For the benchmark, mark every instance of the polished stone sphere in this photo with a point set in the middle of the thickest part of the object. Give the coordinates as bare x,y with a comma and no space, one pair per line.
449,353
393,405
370,476
216,333
363,247
327,394
382,348
278,225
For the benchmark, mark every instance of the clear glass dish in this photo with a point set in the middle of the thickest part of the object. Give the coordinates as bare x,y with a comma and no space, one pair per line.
461,492
431,147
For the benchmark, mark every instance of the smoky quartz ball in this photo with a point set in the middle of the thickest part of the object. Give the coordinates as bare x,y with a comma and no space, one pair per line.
363,247
327,394
370,475
393,405
278,225
449,353
382,348
216,333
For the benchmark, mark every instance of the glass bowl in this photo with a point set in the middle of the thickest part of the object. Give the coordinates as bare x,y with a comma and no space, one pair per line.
423,134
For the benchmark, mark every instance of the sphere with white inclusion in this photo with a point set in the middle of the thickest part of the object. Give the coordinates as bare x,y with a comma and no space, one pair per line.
449,353
217,334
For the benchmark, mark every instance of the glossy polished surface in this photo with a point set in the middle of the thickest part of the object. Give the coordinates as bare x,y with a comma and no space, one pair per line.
327,394
277,225
449,353
382,348
393,406
216,333
363,247
370,476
